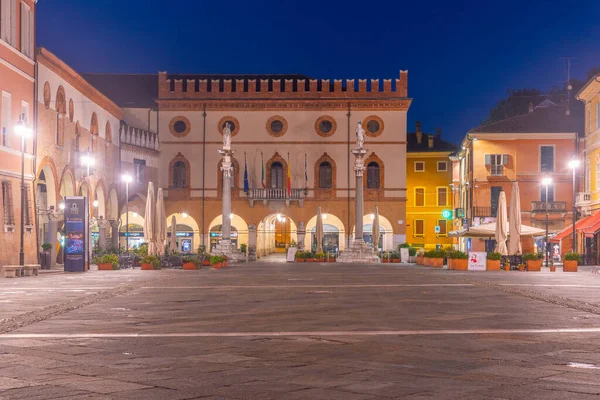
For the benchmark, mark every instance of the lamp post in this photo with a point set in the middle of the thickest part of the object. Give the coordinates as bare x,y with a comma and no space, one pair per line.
25,132
547,181
574,164
88,160
126,179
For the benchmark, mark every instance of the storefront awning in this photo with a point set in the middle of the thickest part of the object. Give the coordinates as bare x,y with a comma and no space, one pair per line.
591,225
569,230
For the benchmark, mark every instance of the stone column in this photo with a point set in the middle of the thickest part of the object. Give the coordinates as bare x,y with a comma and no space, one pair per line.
301,233
114,226
102,228
251,243
226,194
359,206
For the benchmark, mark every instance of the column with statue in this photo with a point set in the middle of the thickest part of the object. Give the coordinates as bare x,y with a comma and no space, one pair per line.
359,251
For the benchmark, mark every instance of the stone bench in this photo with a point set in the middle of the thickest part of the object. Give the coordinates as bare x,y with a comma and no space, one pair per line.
12,271
31,269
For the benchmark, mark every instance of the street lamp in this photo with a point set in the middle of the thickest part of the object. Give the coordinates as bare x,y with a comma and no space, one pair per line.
574,164
89,161
126,179
547,181
25,132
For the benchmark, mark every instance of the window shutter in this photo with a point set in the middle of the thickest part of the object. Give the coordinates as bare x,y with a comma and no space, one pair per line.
13,23
6,99
5,21
504,159
24,29
488,159
31,42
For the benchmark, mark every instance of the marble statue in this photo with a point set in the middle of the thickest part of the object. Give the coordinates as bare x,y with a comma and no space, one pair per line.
360,136
227,136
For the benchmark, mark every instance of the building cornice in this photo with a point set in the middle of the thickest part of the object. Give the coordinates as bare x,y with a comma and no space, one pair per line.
428,154
139,150
67,73
520,136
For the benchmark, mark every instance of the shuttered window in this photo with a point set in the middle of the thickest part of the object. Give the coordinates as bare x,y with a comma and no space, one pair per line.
27,211
419,197
7,203
547,159
5,119
442,197
419,227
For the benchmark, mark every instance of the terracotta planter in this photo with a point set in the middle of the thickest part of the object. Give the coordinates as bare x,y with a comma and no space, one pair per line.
319,259
492,265
188,266
521,268
331,260
105,267
217,265
147,267
437,262
299,259
450,263
426,261
420,260
206,263
224,264
570,266
460,264
552,268
396,260
385,260
534,265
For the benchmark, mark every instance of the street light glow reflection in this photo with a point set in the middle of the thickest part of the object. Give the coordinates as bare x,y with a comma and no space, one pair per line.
547,181
126,178
574,163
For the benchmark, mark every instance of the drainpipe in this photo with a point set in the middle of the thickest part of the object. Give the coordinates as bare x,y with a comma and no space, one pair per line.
35,136
349,226
149,111
203,168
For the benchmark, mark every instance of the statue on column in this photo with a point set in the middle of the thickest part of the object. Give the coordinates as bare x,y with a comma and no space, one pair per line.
227,136
360,136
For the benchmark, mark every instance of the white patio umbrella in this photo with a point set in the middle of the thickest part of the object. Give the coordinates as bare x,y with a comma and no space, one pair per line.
514,227
173,241
489,231
319,231
375,229
501,226
161,223
149,221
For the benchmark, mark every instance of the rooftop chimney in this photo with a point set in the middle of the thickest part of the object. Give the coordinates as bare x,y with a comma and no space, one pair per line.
419,133
430,138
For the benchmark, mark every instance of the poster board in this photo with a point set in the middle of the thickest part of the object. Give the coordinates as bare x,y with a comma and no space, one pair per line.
76,233
477,260
404,255
291,254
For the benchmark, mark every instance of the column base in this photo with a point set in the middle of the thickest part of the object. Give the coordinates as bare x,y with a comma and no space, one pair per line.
226,248
358,252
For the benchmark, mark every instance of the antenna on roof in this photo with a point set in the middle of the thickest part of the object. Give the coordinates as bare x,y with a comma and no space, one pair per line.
569,86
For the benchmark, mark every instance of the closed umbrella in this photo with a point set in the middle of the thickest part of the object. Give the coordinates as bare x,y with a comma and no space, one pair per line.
149,221
173,242
501,226
514,228
319,231
161,223
375,229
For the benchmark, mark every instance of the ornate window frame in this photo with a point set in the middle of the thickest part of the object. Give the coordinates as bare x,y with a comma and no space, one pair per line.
179,193
273,119
325,193
318,127
178,118
232,119
374,193
276,158
366,127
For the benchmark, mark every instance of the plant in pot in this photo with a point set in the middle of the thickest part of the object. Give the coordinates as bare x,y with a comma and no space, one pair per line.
395,256
150,263
107,262
570,262
216,262
45,256
300,256
412,254
309,256
320,257
385,257
191,262
458,259
435,258
533,261
492,262
331,257
244,248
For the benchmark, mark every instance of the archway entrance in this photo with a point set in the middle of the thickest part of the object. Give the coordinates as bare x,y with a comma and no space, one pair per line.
386,232
275,233
331,239
216,234
45,196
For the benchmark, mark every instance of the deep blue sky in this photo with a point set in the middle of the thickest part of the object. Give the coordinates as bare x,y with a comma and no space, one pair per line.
461,56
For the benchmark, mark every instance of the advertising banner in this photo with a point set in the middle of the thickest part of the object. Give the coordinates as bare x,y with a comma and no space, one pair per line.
404,255
76,236
477,260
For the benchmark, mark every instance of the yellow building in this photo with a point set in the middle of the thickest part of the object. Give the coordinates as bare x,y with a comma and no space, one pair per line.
428,179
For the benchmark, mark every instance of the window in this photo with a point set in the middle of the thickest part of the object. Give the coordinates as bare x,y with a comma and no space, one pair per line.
325,126
419,227
419,166
27,34
419,197
325,175
494,196
443,227
9,22
5,119
587,176
373,175
277,175
597,175
7,204
442,196
138,169
547,159
496,162
442,166
550,194
77,136
276,126
179,175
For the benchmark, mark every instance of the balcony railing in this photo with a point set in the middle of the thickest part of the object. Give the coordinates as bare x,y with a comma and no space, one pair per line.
553,206
275,194
138,137
583,199
484,212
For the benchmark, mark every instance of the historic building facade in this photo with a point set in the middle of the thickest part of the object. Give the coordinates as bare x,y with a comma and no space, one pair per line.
428,179
284,129
17,77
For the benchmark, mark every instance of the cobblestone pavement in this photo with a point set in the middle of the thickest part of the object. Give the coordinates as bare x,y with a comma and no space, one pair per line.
301,331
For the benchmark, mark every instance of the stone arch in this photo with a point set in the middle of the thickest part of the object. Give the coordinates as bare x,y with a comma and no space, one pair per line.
387,229
67,183
179,158
374,193
276,158
330,219
112,211
47,166
108,133
100,194
236,178
325,192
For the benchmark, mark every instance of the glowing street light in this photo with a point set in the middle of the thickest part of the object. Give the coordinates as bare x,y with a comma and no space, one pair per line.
574,164
547,181
126,178
231,216
184,215
23,130
95,203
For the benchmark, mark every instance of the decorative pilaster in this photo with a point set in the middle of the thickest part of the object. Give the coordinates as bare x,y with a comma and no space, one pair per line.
359,206
102,230
251,242
114,226
301,233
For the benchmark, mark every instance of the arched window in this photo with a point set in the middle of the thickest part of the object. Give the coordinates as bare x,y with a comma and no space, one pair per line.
373,175
277,175
325,175
61,112
179,175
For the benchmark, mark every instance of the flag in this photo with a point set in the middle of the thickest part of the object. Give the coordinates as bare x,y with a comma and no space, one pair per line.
262,179
305,173
246,188
289,178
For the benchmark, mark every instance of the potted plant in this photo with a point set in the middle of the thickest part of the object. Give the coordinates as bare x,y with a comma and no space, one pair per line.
385,257
320,257
331,258
412,254
395,256
492,262
534,263
243,248
150,263
435,258
45,256
107,262
299,257
521,267
309,256
570,262
450,258
191,262
458,260
216,262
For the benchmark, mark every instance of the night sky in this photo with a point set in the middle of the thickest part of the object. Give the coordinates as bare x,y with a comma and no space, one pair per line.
461,56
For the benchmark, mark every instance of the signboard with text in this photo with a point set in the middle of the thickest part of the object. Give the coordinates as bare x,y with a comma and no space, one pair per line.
76,233
477,260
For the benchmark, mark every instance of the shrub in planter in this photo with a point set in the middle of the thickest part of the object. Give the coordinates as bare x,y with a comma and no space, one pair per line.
412,252
300,256
191,262
107,262
150,262
570,262
458,260
216,261
142,250
435,258
320,257
493,261
395,256
331,259
309,256
243,248
533,262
